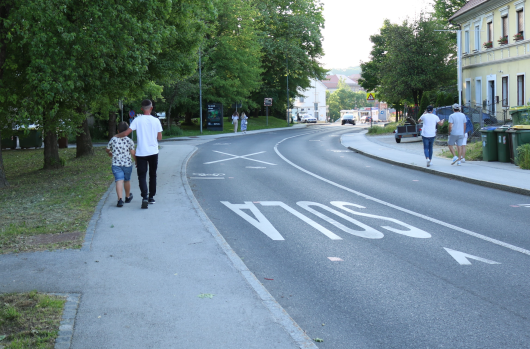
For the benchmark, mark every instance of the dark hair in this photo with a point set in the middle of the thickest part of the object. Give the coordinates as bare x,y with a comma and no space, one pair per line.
235,114
123,126
146,103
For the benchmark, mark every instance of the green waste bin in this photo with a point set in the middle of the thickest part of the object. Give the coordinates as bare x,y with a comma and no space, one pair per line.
519,137
31,140
489,144
503,151
520,116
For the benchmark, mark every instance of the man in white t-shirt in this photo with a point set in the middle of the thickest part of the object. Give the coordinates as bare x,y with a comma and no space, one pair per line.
428,132
457,129
149,132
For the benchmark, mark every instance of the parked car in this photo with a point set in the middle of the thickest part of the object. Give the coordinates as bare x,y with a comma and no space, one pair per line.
309,119
473,113
348,119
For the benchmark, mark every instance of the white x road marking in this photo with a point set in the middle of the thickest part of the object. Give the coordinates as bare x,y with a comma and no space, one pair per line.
239,157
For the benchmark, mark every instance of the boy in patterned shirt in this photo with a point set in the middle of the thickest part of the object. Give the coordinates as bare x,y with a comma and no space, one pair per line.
119,149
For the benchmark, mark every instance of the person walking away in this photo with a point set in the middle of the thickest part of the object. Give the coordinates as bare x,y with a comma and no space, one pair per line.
119,149
244,122
457,129
149,132
428,132
469,130
235,118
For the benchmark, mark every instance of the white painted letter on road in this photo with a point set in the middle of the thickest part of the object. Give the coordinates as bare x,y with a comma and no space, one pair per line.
412,232
462,258
259,222
368,232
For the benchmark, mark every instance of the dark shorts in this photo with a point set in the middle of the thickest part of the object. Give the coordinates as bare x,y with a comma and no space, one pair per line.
121,173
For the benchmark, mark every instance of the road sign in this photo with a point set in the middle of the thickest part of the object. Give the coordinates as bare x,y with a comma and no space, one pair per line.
268,102
132,113
370,96
382,112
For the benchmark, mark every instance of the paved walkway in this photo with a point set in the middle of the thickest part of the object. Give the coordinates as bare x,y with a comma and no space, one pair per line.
157,278
409,153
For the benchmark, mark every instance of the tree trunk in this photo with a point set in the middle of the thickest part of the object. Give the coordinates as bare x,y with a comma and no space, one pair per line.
187,118
112,124
3,179
84,141
52,160
168,115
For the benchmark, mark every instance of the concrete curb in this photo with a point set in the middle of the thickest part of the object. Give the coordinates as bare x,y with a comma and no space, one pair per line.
66,328
487,184
91,229
278,313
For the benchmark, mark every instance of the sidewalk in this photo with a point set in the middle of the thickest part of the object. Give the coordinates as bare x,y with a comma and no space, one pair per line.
409,153
157,278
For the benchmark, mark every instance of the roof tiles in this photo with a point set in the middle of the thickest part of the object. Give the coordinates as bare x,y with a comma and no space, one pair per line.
471,4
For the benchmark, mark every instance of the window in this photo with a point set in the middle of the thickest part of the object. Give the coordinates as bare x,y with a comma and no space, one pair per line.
478,92
477,38
466,41
504,91
520,90
490,31
504,24
301,99
520,22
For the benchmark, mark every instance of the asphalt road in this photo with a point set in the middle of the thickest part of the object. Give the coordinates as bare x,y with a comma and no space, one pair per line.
364,254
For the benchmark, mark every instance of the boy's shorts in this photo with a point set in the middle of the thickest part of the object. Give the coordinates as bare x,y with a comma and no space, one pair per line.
455,139
121,173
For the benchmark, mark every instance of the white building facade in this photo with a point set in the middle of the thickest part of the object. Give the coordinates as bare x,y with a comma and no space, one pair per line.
313,101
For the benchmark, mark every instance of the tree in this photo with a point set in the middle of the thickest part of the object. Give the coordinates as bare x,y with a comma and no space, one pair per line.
445,9
408,59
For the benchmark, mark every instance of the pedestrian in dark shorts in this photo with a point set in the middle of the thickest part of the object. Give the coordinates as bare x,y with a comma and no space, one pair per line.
457,128
149,132
119,149
428,132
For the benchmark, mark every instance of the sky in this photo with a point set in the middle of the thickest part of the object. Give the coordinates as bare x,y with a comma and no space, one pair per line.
349,24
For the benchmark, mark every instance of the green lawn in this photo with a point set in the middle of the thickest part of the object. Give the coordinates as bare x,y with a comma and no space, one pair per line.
473,152
258,123
29,320
50,209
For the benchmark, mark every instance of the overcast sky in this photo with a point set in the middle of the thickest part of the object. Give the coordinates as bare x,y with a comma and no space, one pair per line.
349,24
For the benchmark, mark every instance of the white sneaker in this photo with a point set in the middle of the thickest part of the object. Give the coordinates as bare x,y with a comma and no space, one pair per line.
463,160
458,163
428,163
455,159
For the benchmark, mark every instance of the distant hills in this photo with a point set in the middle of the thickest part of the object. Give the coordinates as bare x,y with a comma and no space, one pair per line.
346,71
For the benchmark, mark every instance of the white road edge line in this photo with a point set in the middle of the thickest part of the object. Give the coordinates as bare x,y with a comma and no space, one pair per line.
279,314
430,219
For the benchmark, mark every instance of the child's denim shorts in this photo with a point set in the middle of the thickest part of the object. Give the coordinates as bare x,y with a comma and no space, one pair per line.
121,173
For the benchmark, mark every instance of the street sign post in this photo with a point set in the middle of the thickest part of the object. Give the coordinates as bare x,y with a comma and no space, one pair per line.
268,103
370,97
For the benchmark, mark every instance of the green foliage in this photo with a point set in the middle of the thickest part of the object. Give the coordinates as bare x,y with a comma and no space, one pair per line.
408,59
173,131
425,101
345,99
523,156
444,128
449,99
378,130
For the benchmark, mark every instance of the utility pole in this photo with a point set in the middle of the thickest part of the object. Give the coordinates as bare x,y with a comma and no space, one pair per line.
287,64
200,89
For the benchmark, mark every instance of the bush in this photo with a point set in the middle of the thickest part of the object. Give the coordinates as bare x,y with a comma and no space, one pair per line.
378,130
444,128
424,103
172,131
523,156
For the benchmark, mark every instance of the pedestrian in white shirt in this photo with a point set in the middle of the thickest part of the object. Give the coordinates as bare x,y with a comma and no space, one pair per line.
235,118
457,129
149,132
428,132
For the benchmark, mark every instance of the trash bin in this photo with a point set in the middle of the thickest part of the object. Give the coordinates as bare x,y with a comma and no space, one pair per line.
520,116
31,140
520,135
489,144
9,142
503,152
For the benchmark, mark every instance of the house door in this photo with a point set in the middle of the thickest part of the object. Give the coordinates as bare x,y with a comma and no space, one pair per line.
491,96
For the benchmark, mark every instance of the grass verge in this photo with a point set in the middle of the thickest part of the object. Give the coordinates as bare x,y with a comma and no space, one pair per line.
50,209
29,320
523,156
380,130
473,152
258,123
